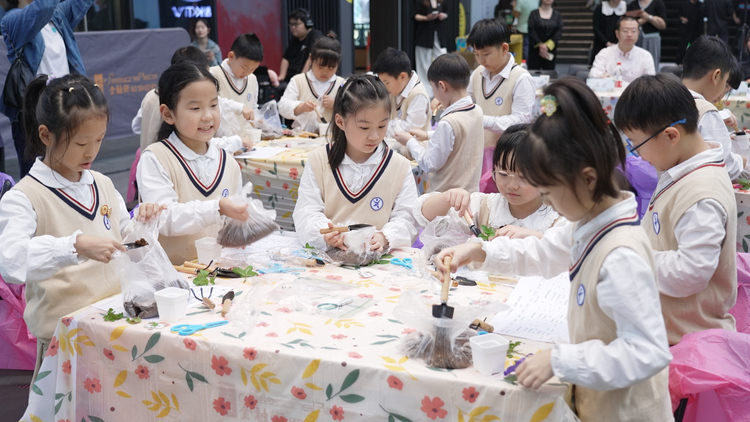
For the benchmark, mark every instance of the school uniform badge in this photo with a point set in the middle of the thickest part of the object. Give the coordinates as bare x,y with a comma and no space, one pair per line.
499,101
225,193
581,295
655,222
376,203
249,97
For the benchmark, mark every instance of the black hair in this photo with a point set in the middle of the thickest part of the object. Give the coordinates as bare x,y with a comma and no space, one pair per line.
359,92
625,18
191,54
392,62
736,75
705,55
451,69
302,15
173,81
488,33
504,157
577,135
653,102
62,106
248,46
10,4
326,50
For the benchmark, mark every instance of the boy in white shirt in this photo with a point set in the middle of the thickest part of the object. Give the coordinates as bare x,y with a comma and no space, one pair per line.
235,73
457,140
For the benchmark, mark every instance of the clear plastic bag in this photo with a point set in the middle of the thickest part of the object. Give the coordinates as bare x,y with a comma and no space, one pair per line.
358,251
320,296
443,232
306,122
246,311
268,120
441,342
145,270
260,223
233,124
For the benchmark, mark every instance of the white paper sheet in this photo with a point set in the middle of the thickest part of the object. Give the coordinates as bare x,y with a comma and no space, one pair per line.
539,310
261,153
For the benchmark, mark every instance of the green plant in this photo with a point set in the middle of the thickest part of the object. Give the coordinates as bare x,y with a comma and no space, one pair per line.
744,184
244,272
203,279
135,320
112,316
487,232
512,348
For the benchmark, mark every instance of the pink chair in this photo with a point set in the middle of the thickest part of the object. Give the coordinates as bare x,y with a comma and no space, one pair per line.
132,188
741,310
17,345
711,369
486,184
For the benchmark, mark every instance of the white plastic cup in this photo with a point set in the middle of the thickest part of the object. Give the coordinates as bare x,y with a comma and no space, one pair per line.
208,250
254,135
323,129
171,303
741,144
488,353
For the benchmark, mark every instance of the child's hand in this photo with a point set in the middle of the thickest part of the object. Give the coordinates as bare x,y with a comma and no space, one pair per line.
248,113
378,242
97,248
274,78
460,255
304,107
148,212
327,101
419,134
536,370
232,209
435,105
334,239
515,232
402,137
247,142
459,200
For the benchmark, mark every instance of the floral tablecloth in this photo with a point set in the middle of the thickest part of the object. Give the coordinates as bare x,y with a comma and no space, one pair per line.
740,107
292,366
743,218
276,179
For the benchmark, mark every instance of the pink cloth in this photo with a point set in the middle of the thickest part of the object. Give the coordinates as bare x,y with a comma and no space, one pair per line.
712,360
17,345
486,184
741,310
132,190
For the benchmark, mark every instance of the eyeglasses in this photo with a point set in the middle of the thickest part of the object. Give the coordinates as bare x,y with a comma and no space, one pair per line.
631,148
505,177
294,24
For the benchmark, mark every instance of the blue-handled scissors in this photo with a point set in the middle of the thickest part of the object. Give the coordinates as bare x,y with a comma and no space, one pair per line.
406,262
278,268
187,329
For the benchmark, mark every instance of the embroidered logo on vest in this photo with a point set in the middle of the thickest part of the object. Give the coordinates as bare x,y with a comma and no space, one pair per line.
249,97
581,296
106,222
225,193
499,101
399,113
655,222
376,203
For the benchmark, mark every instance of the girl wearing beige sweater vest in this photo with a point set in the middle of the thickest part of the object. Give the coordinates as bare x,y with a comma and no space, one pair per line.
618,353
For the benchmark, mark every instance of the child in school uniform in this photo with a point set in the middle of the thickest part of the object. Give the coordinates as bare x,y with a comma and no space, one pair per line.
691,218
61,224
503,89
357,176
235,73
457,140
315,89
707,66
411,103
185,170
517,211
618,353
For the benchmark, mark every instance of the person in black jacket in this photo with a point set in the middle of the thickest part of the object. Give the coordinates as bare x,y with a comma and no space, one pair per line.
691,25
430,36
545,31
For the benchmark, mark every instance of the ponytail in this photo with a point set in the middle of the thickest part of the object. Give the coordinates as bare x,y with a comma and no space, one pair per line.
34,145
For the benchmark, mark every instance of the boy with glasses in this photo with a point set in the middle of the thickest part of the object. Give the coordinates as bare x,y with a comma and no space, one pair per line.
690,219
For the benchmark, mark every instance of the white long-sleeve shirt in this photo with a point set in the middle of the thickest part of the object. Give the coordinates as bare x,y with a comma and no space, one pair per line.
432,157
626,293
636,62
26,258
154,185
524,99
415,114
290,100
700,233
308,213
712,128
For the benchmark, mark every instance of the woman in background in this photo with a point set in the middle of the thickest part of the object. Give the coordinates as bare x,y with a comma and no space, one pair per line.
545,31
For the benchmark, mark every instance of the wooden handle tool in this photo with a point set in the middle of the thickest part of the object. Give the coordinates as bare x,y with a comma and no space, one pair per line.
226,302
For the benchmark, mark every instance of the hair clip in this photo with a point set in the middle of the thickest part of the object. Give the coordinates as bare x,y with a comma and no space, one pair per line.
96,85
70,89
49,79
549,105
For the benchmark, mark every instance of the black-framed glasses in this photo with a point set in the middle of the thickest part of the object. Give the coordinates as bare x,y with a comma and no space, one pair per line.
631,148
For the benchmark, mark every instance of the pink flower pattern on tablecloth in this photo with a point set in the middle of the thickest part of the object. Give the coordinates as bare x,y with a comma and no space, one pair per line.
220,365
338,336
293,173
408,330
337,413
53,346
250,353
355,355
299,393
470,394
189,343
433,408
66,367
268,183
272,335
375,314
257,171
109,354
262,324
278,419
284,310
394,382
142,372
250,402
66,321
221,406
92,385
365,296
285,186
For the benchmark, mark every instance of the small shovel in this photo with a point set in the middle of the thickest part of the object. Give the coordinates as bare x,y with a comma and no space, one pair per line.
344,228
472,226
443,310
135,245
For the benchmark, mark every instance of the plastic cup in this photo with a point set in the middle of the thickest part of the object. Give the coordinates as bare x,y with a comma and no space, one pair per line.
171,303
208,250
323,129
488,353
741,144
254,135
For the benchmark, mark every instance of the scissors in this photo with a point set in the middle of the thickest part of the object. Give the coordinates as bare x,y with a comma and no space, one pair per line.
187,329
328,306
278,268
406,262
